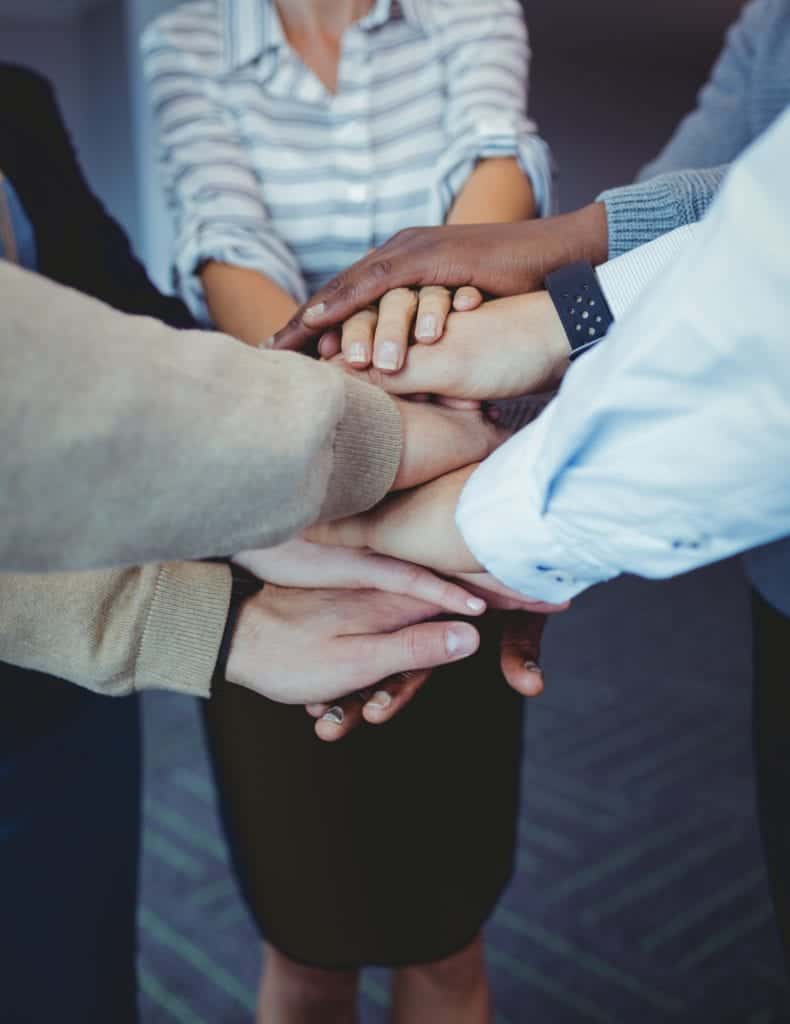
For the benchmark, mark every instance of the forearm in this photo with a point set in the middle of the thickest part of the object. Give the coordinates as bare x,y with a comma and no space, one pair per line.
497,192
245,303
126,441
118,631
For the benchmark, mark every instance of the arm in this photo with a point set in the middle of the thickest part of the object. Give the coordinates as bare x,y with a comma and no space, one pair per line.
719,129
123,438
244,303
121,630
663,449
222,225
496,193
490,140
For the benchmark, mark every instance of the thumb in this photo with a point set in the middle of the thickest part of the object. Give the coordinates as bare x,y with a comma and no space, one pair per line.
424,645
520,652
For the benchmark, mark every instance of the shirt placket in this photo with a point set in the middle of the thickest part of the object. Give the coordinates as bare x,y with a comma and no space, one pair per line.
351,128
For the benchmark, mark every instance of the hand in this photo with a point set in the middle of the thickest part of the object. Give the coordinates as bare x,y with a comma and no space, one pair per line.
336,721
506,348
437,441
298,563
355,638
519,659
385,330
499,259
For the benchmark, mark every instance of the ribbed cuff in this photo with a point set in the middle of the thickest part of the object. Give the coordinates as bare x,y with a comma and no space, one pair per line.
639,213
183,631
367,452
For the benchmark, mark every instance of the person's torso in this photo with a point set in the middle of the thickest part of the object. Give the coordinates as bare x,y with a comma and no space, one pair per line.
339,173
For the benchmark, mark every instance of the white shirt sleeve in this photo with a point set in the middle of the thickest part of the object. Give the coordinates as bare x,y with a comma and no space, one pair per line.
668,446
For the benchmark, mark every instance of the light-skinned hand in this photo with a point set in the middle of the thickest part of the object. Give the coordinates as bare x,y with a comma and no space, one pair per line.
519,660
381,334
505,349
356,639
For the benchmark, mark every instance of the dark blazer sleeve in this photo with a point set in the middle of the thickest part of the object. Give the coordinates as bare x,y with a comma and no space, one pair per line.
79,244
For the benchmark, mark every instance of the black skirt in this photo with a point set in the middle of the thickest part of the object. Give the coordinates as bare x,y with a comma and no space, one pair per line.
390,847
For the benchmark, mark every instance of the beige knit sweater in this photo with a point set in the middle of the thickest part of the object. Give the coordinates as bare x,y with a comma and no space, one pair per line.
126,442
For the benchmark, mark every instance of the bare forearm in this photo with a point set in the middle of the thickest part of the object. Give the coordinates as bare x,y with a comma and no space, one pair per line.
497,192
245,303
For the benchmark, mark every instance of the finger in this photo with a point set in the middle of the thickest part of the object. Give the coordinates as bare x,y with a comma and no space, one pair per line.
458,403
432,310
357,338
421,646
467,298
316,710
339,720
396,315
502,597
382,573
329,345
520,652
393,695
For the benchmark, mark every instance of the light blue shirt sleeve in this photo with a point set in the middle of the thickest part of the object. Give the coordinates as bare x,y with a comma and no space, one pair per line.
666,447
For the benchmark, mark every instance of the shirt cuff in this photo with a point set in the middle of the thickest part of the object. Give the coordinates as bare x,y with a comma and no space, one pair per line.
490,137
502,517
183,629
624,278
638,213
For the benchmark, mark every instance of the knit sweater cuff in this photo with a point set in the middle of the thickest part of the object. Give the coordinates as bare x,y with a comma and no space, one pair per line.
639,213
367,452
183,629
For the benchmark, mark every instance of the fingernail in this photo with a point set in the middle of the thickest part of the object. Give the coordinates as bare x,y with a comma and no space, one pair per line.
426,326
357,353
380,699
334,715
460,642
533,666
313,311
463,302
476,604
385,355
266,343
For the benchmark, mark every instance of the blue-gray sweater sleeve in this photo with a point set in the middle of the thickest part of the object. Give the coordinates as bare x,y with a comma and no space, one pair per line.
638,213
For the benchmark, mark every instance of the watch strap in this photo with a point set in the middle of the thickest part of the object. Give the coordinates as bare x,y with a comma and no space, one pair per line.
581,305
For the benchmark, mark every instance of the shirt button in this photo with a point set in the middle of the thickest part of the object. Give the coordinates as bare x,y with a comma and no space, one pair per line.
357,193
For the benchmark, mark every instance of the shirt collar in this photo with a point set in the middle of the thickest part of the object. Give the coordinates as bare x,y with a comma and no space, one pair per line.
252,27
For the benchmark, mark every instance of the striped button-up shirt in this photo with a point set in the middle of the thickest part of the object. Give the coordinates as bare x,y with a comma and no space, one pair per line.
265,168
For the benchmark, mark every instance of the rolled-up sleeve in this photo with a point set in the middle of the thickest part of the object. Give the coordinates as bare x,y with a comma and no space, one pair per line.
487,57
666,446
211,187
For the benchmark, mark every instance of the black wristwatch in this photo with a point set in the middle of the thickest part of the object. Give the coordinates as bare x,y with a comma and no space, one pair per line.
580,304
243,585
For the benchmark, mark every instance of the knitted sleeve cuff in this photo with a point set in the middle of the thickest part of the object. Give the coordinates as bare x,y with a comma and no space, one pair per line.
639,213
